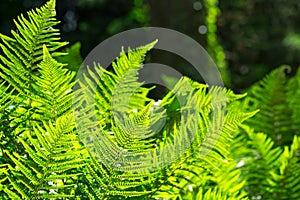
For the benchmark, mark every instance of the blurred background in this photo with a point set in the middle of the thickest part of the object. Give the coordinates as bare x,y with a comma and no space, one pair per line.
246,39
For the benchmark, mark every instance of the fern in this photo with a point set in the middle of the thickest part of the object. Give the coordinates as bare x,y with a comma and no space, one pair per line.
204,129
213,194
46,170
52,89
13,115
275,117
257,159
117,143
258,155
285,183
293,96
24,50
197,172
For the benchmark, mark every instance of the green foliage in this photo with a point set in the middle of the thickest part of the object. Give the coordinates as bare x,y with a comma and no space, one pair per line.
131,134
277,99
257,159
52,90
73,58
111,141
24,50
54,154
293,96
267,157
285,183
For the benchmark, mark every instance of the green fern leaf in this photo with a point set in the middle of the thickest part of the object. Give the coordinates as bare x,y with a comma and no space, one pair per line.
41,174
257,158
286,183
275,117
293,96
24,50
52,96
213,194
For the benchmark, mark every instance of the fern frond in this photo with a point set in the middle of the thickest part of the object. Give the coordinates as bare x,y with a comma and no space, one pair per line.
106,86
293,96
52,96
212,194
24,50
208,158
100,90
286,183
13,115
47,166
5,191
257,158
275,116
128,159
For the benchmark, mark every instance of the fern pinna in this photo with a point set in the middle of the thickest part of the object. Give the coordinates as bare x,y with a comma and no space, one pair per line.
102,137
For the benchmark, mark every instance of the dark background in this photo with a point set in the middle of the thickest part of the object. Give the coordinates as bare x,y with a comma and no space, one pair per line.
256,35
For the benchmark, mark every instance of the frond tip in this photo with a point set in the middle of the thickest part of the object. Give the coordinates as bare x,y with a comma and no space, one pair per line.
23,51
